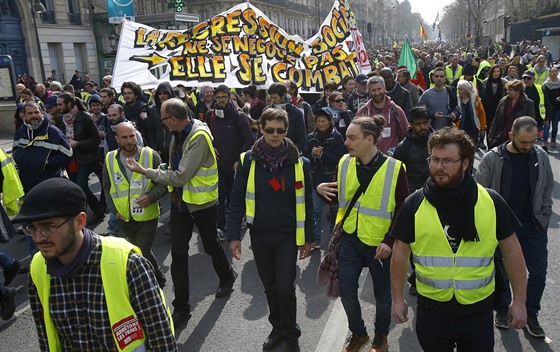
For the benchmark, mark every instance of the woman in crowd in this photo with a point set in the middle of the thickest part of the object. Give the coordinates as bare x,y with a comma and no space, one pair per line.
341,116
495,90
469,115
348,85
329,88
325,147
205,103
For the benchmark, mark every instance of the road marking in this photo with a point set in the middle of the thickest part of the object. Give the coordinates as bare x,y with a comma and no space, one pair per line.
334,336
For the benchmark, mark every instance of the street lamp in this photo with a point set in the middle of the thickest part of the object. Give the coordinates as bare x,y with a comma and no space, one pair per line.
36,8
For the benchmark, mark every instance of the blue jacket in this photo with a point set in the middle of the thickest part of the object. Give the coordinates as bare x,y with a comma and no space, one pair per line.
40,154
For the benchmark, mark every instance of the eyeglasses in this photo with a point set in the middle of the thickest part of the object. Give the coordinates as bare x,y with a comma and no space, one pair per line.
166,118
338,100
46,231
447,163
271,130
222,97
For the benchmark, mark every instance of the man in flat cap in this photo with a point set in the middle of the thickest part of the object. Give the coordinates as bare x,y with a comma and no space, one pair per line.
88,292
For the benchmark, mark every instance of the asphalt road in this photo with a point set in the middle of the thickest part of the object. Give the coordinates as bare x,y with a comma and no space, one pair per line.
239,323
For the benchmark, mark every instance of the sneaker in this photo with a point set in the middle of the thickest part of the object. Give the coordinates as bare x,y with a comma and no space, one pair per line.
226,287
11,272
533,327
355,343
221,234
501,320
8,303
545,146
379,343
315,245
553,145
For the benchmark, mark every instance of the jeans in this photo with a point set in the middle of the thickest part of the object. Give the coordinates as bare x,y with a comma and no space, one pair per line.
81,178
225,185
534,246
6,261
439,332
113,225
554,124
276,258
353,256
181,224
318,210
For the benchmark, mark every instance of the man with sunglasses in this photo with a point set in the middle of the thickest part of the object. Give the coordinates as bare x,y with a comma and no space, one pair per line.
452,227
88,292
193,173
297,131
273,189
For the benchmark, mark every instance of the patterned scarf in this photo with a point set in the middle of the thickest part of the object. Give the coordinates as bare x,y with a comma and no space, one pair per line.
272,157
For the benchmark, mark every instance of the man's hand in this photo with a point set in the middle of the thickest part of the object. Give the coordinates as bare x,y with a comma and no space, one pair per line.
305,250
399,310
235,249
517,315
119,216
144,201
382,252
73,143
327,190
438,115
133,166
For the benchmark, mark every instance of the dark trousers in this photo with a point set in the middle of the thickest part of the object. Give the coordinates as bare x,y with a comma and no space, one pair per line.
534,246
141,234
276,257
81,178
181,225
225,185
353,256
438,332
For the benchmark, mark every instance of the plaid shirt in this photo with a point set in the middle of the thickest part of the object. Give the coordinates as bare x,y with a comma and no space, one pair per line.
79,310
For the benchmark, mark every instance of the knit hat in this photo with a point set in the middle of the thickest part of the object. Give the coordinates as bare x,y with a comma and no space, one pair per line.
95,98
223,88
51,102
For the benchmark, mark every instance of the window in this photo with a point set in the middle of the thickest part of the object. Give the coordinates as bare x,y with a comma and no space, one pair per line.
55,50
80,54
48,16
74,16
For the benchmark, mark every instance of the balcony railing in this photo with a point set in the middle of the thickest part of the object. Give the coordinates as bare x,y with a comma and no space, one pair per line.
48,17
75,18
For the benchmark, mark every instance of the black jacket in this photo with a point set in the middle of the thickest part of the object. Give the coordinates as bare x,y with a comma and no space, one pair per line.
323,168
275,211
413,152
87,136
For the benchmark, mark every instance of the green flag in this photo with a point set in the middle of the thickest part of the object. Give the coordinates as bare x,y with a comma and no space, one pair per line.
407,59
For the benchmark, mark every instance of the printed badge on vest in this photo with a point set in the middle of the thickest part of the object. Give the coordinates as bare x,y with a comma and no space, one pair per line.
127,331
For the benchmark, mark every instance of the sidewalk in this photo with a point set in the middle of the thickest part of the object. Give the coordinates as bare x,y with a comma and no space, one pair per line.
6,142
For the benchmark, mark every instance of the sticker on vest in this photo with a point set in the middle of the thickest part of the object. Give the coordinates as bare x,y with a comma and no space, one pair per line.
117,176
137,209
342,123
386,132
127,331
136,184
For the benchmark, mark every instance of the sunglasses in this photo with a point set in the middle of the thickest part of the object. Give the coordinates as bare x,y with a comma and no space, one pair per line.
271,130
338,100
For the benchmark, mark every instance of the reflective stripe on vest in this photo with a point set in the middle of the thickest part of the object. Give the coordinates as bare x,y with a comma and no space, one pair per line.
114,260
12,189
372,213
124,193
250,204
442,274
203,187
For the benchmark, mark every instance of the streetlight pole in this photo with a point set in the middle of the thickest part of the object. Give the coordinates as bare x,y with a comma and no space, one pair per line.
36,8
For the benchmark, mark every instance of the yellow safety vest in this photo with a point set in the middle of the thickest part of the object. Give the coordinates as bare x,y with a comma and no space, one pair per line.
481,67
12,190
86,96
372,213
203,187
449,72
127,329
250,205
540,79
468,274
125,193
542,107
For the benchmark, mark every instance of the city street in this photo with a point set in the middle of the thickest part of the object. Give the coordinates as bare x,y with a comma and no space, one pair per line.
239,323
